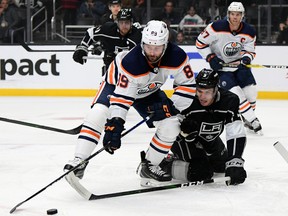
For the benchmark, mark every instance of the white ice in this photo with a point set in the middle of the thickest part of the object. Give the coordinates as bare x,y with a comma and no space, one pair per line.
31,158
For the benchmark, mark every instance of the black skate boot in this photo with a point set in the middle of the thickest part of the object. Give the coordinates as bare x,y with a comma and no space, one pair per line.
166,163
152,174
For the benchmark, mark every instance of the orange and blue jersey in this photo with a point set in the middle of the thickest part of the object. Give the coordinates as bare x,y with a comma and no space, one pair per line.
137,78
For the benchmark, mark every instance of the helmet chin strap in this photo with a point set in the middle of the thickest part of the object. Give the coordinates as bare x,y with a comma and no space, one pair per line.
216,94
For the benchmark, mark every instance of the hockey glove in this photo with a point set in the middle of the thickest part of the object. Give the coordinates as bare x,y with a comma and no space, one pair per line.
161,110
244,61
235,169
215,62
189,130
97,49
79,53
112,137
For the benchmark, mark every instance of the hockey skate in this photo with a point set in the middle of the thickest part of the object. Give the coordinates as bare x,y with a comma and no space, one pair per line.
254,126
79,172
166,163
152,175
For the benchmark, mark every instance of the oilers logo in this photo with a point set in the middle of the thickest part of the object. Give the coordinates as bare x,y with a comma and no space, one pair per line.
210,131
232,49
150,87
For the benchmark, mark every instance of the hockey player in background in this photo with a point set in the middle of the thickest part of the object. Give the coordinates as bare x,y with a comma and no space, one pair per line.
115,37
111,37
114,7
198,150
232,41
142,72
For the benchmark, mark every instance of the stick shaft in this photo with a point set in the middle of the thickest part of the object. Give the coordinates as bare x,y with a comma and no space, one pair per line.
70,131
27,48
160,188
80,164
257,66
282,150
74,182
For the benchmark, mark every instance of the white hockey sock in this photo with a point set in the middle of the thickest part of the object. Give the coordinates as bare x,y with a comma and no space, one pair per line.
84,149
90,133
179,170
245,108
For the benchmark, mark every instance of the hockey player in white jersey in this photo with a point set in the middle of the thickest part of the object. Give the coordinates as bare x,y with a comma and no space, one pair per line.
113,41
231,41
142,72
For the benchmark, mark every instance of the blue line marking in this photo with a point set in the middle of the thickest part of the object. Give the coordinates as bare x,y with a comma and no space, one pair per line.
194,55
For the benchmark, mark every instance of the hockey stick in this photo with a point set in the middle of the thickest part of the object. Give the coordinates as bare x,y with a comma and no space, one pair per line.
74,182
282,150
27,48
80,164
257,66
92,57
70,131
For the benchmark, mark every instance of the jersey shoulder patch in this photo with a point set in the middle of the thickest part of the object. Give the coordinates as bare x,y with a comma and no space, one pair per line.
248,29
174,56
108,28
228,97
135,35
135,63
221,25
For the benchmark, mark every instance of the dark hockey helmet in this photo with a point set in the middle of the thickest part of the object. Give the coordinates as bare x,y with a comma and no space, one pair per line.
207,78
125,14
115,2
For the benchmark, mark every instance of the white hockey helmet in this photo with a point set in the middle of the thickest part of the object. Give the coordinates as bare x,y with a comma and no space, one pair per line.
155,33
236,7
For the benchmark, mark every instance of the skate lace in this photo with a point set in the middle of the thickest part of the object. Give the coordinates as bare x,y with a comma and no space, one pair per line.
156,170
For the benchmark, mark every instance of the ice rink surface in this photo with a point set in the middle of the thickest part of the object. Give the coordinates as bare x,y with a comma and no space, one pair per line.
32,158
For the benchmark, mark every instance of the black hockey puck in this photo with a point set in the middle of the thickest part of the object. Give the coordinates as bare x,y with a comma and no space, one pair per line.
52,211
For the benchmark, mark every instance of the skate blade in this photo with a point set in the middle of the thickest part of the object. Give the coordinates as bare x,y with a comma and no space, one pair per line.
260,132
147,182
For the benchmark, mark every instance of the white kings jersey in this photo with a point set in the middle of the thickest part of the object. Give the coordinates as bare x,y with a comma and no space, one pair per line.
227,45
136,78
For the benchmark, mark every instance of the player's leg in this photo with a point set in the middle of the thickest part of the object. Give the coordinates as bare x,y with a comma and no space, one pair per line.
166,133
245,108
217,155
247,83
231,82
190,161
92,128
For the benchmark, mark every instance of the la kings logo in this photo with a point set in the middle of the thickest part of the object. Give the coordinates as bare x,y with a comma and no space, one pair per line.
210,131
232,48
